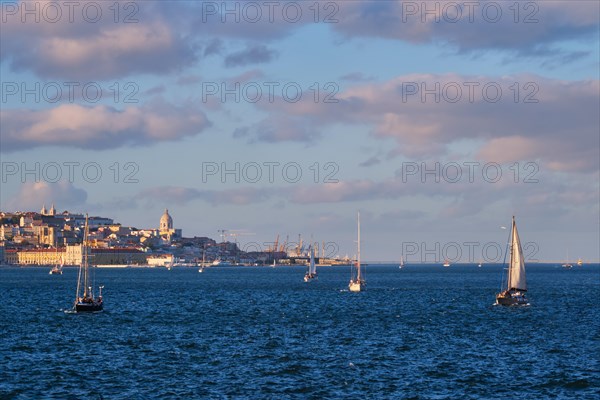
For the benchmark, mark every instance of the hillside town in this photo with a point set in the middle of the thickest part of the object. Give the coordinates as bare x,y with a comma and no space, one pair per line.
49,237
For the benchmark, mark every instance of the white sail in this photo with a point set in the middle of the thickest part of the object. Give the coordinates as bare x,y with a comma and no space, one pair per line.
312,268
358,247
516,275
357,282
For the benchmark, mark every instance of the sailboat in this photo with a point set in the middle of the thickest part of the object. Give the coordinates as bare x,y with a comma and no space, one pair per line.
356,281
579,262
311,272
446,263
57,268
86,302
516,286
401,262
480,264
567,264
201,269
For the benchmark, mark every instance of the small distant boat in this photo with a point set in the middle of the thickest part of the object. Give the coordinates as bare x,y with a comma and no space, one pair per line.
579,262
446,263
401,262
274,264
86,302
516,286
201,269
57,268
567,264
311,272
356,281
220,263
480,264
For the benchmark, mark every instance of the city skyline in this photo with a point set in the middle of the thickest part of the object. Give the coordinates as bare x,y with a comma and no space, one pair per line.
285,118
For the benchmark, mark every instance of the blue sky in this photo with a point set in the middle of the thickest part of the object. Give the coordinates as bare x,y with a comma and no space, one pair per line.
373,144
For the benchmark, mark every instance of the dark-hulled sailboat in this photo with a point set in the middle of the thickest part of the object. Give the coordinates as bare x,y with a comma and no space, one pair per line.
86,302
516,286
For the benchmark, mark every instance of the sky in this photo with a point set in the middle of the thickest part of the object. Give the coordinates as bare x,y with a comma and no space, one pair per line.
437,120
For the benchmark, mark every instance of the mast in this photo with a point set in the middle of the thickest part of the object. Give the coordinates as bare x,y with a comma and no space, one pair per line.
358,249
85,259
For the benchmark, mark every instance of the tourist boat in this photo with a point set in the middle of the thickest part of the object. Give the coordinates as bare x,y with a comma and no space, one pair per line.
446,263
86,302
356,280
516,286
311,272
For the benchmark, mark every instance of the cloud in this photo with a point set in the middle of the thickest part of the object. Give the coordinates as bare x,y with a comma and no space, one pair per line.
374,160
99,127
356,77
188,80
252,54
32,195
182,195
159,89
509,118
536,30
247,76
279,128
166,39
80,50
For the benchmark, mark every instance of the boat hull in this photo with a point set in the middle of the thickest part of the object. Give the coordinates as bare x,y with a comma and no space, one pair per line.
93,306
355,286
309,277
511,299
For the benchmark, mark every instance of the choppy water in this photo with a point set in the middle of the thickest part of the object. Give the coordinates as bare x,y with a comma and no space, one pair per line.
424,332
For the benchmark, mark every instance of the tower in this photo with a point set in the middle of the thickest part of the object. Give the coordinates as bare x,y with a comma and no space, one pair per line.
166,222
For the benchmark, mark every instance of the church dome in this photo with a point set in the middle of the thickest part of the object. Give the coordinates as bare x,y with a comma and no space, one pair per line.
166,222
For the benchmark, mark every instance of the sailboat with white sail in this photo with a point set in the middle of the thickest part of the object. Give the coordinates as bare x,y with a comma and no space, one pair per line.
311,271
86,302
401,262
516,285
567,264
57,269
357,282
